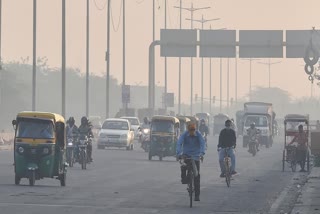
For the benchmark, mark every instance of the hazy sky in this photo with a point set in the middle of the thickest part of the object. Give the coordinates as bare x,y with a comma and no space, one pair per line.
234,14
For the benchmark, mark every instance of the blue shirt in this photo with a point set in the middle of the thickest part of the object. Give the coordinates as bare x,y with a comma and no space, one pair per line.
193,146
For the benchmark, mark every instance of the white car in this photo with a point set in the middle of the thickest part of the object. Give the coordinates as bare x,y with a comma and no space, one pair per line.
116,133
135,125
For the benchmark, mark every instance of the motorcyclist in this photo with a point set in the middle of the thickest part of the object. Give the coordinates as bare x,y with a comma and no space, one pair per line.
227,139
253,134
72,129
302,139
146,123
203,128
191,144
85,129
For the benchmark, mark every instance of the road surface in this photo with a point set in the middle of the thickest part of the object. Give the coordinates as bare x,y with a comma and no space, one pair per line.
121,181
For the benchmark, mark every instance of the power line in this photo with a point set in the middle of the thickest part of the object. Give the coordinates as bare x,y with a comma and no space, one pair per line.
112,19
97,6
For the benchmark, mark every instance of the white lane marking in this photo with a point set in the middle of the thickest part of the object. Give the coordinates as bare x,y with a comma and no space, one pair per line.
51,205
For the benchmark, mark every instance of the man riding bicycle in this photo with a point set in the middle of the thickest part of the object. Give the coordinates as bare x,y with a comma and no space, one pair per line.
192,144
302,139
227,139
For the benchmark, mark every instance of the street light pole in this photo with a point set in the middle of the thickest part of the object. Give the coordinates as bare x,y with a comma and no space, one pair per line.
34,60
1,73
202,21
269,63
87,60
108,60
125,104
179,102
165,61
220,85
192,10
63,66
228,86
236,79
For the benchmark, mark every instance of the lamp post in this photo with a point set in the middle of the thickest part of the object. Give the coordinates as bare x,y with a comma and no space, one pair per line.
192,10
202,21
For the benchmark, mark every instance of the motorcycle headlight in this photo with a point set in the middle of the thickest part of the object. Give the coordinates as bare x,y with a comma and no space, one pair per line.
21,150
70,144
146,131
46,151
124,136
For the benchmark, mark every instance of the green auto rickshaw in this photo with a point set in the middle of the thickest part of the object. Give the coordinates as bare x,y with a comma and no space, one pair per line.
163,136
39,147
183,123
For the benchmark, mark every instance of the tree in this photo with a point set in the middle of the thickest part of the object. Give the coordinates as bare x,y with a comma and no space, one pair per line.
278,97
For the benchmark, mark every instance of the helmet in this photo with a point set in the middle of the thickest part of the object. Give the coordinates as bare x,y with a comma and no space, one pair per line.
228,123
71,121
84,120
252,125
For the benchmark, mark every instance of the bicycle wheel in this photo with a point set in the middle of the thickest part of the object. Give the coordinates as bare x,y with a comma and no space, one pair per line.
190,189
227,173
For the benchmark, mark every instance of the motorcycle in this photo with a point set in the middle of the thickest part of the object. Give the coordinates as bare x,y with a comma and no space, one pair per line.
70,152
204,135
253,144
145,139
82,152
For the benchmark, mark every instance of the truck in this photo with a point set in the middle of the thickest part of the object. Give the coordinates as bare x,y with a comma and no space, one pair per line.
263,116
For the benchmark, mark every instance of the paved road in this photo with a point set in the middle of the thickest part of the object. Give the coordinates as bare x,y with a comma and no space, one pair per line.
122,181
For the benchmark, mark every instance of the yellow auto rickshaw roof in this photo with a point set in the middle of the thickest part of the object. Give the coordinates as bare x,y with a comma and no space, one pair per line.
41,115
193,118
169,118
184,118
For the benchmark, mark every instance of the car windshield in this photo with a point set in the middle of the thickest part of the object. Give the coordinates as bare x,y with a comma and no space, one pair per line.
133,121
35,128
162,126
119,125
260,121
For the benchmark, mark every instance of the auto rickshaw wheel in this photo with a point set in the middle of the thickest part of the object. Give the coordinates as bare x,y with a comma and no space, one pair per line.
83,160
17,180
160,157
150,156
63,178
131,147
32,178
283,159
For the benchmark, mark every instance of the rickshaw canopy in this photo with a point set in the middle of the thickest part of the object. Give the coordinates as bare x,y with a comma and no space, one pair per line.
41,115
296,118
184,119
165,118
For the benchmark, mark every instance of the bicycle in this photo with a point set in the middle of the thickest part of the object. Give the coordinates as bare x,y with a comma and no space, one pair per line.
192,172
227,165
